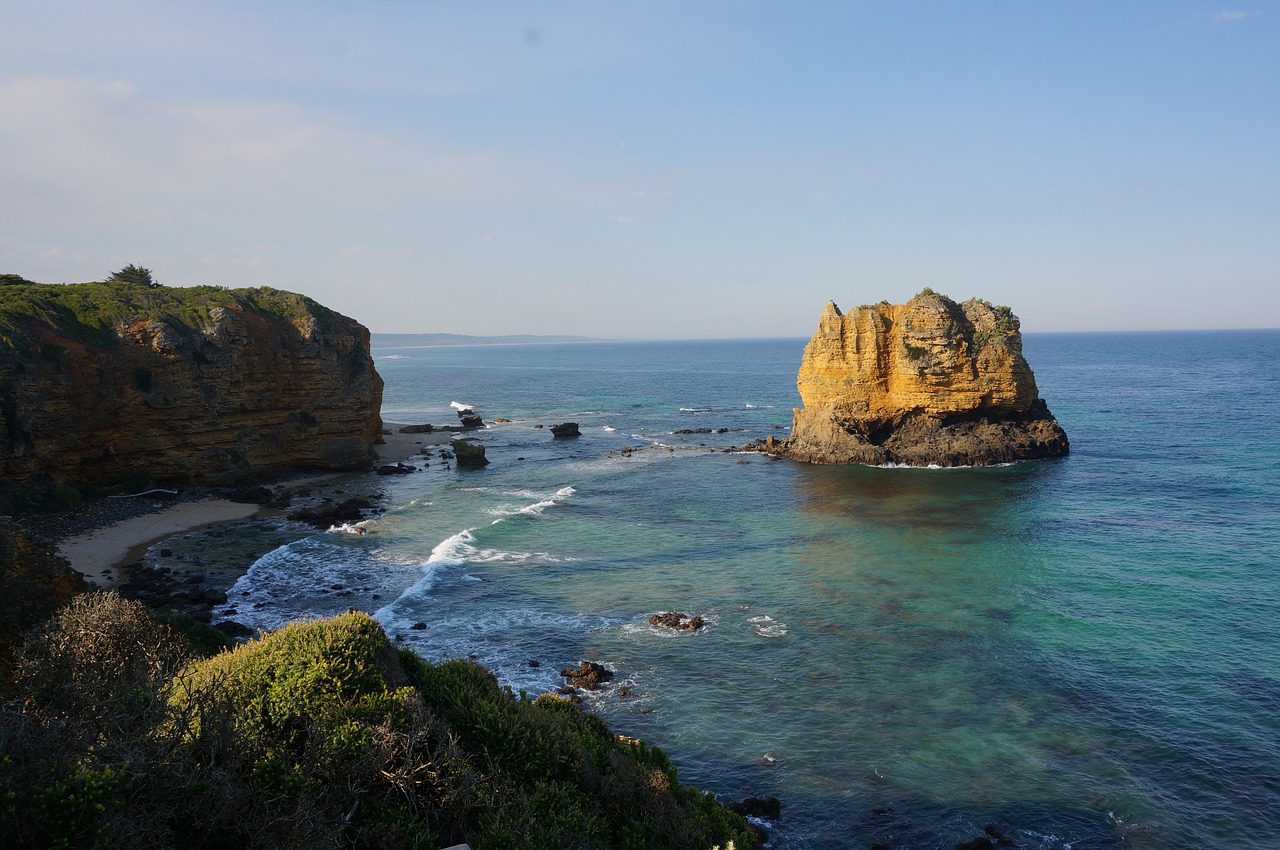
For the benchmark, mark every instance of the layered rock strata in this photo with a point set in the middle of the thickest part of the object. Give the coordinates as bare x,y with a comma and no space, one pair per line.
104,384
925,383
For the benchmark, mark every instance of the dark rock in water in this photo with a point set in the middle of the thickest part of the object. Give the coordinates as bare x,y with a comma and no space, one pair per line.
566,429
232,629
992,838
533,662
537,427
417,429
469,453
692,431
589,675
325,516
417,627
677,621
758,807
251,495
395,469
471,421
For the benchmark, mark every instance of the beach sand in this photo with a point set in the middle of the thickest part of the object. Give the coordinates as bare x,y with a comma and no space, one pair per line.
98,554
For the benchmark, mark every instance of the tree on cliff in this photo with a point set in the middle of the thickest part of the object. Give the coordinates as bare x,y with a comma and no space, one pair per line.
134,274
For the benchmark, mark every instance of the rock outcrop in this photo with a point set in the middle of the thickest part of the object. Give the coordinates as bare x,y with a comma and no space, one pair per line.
103,383
929,382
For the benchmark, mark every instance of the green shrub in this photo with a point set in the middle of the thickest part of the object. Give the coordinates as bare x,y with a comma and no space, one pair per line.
318,734
65,497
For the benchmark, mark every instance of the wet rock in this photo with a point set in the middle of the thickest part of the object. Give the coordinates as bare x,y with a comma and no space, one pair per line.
417,429
588,676
991,837
769,808
232,629
469,453
417,627
678,621
395,469
251,495
325,516
566,429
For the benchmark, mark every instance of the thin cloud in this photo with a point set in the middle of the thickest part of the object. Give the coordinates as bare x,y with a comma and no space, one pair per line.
1225,17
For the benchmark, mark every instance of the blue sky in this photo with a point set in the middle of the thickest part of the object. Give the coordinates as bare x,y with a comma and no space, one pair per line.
659,170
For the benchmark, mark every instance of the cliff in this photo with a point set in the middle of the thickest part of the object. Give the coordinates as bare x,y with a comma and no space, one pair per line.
103,383
929,382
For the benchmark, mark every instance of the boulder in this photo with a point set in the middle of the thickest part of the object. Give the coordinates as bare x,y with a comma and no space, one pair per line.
758,807
330,514
588,676
251,495
677,621
469,453
566,429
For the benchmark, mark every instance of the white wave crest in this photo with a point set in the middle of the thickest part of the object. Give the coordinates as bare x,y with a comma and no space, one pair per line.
766,627
504,511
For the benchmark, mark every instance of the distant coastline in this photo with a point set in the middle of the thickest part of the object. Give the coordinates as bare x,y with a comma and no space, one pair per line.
380,340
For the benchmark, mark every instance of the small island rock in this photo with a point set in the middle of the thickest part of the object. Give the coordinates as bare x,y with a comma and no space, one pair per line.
929,382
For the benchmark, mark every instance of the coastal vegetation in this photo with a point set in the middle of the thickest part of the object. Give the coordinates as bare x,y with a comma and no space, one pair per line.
90,312
118,731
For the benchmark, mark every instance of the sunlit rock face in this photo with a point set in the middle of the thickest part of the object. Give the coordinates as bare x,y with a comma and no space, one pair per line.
929,382
200,386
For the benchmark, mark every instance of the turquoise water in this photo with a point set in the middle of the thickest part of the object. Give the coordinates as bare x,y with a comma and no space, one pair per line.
1084,652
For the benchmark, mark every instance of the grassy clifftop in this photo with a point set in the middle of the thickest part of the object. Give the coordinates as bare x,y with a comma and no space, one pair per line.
321,734
90,312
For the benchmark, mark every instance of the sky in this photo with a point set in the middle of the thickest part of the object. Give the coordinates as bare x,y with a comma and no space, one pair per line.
657,169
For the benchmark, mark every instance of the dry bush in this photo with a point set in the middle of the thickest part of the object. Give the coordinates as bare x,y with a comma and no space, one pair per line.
102,661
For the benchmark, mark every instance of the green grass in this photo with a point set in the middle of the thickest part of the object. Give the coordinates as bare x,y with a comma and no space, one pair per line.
92,313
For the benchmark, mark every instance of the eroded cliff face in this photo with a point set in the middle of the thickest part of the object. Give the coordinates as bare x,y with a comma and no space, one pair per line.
929,382
202,385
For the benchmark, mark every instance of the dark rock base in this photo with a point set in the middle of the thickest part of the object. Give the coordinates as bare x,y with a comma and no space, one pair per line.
827,436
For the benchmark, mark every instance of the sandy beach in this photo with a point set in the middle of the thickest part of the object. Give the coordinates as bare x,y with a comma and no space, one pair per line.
98,554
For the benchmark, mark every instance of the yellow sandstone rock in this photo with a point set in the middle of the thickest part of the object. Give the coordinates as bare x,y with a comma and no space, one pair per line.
929,382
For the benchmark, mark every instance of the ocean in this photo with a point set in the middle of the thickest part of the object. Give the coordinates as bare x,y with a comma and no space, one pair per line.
1081,652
